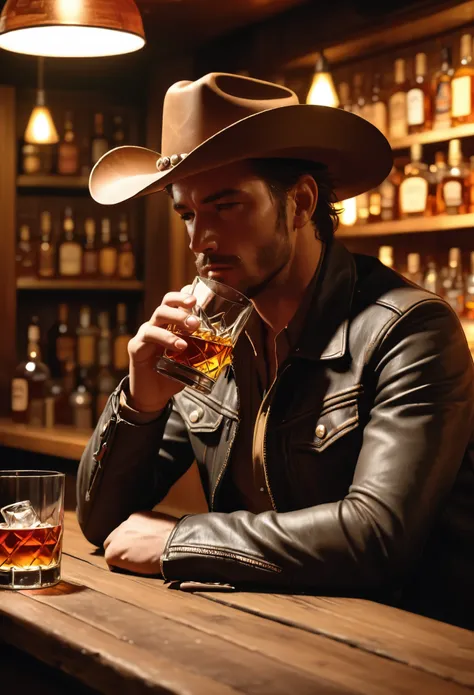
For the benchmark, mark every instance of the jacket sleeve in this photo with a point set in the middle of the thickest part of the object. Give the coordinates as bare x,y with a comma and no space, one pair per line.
413,445
127,467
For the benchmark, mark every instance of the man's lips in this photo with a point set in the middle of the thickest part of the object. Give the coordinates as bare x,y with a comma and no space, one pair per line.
212,267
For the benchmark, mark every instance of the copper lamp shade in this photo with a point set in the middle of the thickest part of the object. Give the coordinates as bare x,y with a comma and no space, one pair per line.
71,28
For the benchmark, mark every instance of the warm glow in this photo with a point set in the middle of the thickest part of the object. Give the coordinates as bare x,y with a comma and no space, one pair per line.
41,129
322,90
348,215
70,42
70,11
30,366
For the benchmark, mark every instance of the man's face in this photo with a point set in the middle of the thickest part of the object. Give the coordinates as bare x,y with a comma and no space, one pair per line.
234,227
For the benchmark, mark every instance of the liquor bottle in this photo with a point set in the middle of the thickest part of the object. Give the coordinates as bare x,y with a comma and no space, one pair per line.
69,250
90,256
386,256
86,340
463,85
32,402
107,252
362,207
126,256
419,98
344,97
106,381
431,281
375,206
388,199
99,143
442,92
81,400
413,272
453,282
61,343
438,170
46,252
414,200
379,116
397,103
469,295
358,101
85,157
470,184
118,133
68,151
62,390
454,184
121,340
30,159
25,259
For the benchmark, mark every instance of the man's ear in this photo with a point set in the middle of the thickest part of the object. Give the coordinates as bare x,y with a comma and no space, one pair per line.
306,199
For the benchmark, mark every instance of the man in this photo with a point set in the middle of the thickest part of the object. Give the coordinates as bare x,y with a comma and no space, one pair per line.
334,452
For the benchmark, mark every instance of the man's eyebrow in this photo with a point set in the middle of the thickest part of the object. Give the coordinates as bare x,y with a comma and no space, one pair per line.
212,198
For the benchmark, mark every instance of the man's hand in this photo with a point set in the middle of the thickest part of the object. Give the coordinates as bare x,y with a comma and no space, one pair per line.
138,543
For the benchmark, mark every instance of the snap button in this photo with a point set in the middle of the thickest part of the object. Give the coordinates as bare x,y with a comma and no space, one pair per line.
321,431
196,415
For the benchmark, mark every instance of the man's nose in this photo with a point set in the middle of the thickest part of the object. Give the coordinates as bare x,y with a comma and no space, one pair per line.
203,241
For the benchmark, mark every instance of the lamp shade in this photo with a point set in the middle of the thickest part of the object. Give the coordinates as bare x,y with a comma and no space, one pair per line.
322,91
71,28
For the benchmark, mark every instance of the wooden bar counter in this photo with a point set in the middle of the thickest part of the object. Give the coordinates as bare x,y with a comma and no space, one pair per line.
127,634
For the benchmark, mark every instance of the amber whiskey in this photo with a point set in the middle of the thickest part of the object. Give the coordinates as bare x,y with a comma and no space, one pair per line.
26,548
442,92
397,103
25,258
126,256
463,85
207,353
68,150
454,183
99,143
107,252
419,98
414,200
69,250
46,251
90,256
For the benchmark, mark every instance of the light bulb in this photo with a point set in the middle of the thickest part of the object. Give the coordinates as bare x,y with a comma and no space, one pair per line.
322,91
41,129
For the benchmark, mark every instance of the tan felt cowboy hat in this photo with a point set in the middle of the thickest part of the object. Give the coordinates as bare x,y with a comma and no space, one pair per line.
224,118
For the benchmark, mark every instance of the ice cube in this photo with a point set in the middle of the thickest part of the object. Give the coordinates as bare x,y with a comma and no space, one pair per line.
20,515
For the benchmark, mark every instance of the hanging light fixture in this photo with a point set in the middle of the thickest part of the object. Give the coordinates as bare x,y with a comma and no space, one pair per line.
41,129
71,28
322,90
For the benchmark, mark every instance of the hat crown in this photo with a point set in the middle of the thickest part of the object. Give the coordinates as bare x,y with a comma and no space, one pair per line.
195,111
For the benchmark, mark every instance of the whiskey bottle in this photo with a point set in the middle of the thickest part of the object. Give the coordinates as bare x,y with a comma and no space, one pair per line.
68,151
61,343
470,184
25,258
86,340
359,103
431,281
469,295
107,253
90,256
99,143
453,283
118,133
397,104
442,92
413,272
454,183
414,200
375,206
69,250
106,381
30,159
388,196
362,207
32,402
81,401
386,256
419,98
121,340
344,97
46,252
438,171
463,85
379,116
126,256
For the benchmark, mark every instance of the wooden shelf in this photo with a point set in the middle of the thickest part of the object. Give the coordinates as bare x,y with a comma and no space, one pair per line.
99,285
66,442
53,181
409,226
432,136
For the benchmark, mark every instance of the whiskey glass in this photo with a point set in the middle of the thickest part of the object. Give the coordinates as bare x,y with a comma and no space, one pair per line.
31,528
223,312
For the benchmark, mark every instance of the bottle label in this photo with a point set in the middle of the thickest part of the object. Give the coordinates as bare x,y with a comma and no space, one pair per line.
108,262
70,257
68,159
443,106
126,265
121,352
375,204
461,87
86,350
91,262
398,115
413,195
415,107
380,116
452,192
19,395
66,348
46,261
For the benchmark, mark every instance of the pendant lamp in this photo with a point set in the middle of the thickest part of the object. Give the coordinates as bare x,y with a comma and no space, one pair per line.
71,28
322,90
41,129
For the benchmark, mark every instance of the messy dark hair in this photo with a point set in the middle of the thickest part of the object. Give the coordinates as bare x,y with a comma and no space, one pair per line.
281,174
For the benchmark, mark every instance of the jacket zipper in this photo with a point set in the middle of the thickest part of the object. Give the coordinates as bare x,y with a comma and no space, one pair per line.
101,456
215,552
226,460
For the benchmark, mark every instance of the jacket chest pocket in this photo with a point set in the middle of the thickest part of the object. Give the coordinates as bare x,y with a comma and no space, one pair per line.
333,423
205,426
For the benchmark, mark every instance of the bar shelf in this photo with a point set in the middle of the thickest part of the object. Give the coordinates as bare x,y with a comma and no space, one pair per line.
79,284
53,181
63,441
433,136
409,226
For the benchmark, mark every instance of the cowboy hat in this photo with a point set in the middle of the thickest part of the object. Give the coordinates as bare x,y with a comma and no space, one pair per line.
223,118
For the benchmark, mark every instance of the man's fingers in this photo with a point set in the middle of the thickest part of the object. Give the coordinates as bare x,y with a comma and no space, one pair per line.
165,315
158,335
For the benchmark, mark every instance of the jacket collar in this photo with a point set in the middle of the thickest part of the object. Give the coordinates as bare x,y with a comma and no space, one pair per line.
325,329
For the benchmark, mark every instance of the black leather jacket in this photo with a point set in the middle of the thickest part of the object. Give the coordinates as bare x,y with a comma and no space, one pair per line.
367,455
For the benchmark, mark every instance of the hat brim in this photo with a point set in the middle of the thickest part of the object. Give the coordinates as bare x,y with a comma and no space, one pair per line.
356,153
